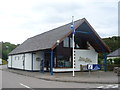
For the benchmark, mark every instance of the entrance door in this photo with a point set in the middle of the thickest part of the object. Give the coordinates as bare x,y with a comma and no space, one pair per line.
23,58
47,61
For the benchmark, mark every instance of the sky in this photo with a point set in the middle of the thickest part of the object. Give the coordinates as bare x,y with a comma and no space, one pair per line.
22,19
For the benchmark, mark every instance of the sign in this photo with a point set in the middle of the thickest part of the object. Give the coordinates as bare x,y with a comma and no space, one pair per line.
90,66
94,67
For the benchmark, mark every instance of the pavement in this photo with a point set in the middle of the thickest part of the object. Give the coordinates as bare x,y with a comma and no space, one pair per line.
98,77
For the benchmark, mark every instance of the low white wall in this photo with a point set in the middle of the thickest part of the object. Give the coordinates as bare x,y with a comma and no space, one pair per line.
62,69
83,56
112,57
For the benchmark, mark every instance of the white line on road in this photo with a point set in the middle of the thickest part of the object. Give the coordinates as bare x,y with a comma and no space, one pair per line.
26,86
109,86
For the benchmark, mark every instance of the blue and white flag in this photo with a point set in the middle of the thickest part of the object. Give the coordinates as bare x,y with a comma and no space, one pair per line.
72,26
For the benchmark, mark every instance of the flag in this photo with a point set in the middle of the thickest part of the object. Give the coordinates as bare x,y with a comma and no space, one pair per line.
72,26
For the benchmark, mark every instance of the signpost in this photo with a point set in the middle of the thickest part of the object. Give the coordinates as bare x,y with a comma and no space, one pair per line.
93,67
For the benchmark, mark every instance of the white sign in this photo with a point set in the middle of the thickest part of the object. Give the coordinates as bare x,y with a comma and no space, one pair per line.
90,66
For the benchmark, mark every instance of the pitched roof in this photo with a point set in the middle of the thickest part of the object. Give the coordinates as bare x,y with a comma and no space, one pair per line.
48,39
114,53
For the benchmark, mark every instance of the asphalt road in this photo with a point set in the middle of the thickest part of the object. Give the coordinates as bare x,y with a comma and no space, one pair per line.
11,80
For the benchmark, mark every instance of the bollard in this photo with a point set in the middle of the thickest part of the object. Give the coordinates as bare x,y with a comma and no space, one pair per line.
118,71
115,69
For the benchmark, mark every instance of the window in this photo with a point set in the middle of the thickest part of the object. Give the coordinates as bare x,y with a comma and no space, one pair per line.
18,57
63,61
77,46
23,57
71,42
66,42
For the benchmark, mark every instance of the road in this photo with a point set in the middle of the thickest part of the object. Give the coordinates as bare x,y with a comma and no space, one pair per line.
11,80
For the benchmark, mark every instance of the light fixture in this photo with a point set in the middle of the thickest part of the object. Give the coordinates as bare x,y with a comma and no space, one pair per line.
58,41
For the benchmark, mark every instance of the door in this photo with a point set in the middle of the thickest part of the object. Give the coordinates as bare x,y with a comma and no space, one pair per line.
47,61
23,58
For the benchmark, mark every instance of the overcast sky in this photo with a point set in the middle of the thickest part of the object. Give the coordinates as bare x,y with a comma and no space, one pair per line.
21,19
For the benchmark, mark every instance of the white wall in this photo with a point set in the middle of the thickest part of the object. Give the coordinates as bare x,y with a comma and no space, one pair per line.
9,61
37,60
89,54
17,61
28,61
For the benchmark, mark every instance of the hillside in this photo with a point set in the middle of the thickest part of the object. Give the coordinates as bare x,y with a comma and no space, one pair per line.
112,42
5,48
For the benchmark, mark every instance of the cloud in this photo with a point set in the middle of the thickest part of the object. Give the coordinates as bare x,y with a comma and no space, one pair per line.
21,19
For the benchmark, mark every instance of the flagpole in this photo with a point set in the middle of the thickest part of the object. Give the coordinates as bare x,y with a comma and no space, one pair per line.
73,47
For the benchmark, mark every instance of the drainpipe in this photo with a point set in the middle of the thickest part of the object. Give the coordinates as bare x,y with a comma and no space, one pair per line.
42,63
11,61
32,62
105,62
51,63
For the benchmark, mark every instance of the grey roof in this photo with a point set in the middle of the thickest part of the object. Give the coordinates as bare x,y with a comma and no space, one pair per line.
48,39
45,40
114,53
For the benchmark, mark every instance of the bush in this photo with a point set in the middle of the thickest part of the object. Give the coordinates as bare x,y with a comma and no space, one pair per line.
4,62
100,61
110,67
116,60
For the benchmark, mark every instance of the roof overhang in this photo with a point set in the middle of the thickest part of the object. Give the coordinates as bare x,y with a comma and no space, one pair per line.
90,34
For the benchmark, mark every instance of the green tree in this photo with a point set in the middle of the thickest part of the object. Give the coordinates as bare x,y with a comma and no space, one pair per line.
6,49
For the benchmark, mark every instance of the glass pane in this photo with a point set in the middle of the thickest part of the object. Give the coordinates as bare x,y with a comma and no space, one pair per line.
71,42
66,42
63,61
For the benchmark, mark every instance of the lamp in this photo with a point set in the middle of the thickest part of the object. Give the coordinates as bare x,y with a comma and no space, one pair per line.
58,41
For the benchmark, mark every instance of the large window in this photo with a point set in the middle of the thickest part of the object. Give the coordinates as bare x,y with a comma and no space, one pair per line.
77,46
63,61
66,42
71,43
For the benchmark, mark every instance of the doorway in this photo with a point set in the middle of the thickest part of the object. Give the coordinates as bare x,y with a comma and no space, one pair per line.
47,62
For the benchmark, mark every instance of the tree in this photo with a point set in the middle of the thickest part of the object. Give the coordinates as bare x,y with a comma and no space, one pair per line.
6,48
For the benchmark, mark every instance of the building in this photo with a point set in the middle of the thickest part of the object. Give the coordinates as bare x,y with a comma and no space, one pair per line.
52,50
114,54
